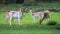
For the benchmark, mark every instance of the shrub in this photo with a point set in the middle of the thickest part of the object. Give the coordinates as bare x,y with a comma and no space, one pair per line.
58,27
30,2
54,10
51,23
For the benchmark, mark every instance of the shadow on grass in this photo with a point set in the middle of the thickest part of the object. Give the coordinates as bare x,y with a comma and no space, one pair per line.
27,27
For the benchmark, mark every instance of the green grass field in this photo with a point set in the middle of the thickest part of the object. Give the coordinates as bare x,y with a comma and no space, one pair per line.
27,25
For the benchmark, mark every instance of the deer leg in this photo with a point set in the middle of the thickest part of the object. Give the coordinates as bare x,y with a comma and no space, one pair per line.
34,19
48,19
41,20
10,20
19,17
7,18
19,21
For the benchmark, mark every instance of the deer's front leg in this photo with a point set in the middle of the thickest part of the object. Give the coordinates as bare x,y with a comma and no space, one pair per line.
10,20
34,19
19,17
19,21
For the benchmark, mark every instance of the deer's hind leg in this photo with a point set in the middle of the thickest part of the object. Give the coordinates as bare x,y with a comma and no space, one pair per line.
7,18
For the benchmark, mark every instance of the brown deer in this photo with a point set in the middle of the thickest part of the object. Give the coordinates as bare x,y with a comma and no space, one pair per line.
46,15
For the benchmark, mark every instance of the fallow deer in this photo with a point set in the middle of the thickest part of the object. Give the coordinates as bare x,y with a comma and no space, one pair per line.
36,14
14,14
46,15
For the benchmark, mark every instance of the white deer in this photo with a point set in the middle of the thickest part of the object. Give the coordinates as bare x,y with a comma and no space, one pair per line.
14,14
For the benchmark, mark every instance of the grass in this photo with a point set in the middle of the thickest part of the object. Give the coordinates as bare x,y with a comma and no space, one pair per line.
27,25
